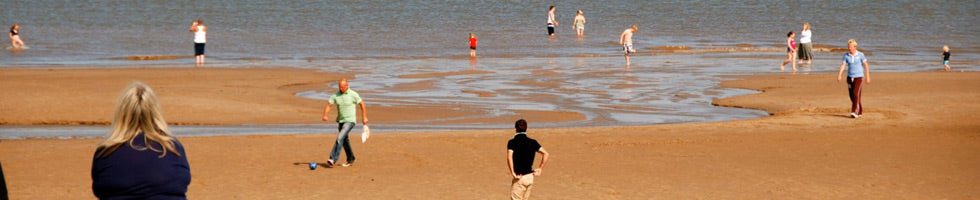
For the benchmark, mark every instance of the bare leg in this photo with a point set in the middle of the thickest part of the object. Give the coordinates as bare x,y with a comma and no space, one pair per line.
794,64
782,67
627,59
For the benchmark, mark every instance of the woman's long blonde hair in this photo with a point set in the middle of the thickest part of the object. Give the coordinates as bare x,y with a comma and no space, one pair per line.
137,111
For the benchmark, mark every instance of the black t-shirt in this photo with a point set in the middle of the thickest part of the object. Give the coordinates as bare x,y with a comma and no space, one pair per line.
524,150
945,55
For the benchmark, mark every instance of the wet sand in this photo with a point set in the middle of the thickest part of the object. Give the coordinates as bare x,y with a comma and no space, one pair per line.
209,96
919,139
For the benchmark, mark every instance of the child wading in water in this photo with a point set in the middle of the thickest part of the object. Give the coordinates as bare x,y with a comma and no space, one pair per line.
472,45
946,57
579,23
790,51
626,39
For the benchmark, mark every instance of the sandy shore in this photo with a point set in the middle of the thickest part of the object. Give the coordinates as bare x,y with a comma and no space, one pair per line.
919,139
213,96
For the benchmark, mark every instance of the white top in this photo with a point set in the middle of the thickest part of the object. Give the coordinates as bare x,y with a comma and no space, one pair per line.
200,36
805,36
551,17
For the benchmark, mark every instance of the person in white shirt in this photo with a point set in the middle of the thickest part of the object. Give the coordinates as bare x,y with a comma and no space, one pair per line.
200,37
805,52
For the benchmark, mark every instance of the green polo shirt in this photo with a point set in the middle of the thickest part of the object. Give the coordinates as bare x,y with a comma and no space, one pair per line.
346,105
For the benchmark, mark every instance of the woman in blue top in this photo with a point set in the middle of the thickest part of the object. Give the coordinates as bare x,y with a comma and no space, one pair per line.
140,159
857,70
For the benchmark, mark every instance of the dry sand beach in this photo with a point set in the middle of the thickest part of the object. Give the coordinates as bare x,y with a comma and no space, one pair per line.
919,139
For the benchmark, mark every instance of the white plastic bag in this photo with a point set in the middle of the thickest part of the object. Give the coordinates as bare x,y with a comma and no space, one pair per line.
366,133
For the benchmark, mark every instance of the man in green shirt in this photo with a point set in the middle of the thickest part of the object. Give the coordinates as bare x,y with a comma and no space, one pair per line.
345,99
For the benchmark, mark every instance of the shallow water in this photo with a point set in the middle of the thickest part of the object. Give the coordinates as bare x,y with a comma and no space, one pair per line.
105,32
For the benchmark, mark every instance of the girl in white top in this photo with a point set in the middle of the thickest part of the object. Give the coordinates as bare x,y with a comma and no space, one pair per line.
805,48
200,37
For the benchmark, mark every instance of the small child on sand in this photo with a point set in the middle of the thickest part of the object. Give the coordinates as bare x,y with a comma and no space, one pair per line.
472,45
946,56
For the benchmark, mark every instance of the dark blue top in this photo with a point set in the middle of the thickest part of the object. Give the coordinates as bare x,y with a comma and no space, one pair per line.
130,174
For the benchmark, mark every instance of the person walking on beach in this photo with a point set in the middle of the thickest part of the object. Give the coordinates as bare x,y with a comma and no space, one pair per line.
805,52
853,61
946,57
520,159
140,158
790,51
472,45
346,100
551,21
200,37
626,39
15,41
579,23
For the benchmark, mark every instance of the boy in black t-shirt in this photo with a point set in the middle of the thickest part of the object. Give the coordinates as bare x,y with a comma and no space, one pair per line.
520,159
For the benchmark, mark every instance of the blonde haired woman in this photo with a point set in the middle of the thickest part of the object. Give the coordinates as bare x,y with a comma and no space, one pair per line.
805,52
140,158
853,62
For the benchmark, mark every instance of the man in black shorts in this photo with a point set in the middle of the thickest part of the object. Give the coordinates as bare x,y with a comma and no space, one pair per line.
520,158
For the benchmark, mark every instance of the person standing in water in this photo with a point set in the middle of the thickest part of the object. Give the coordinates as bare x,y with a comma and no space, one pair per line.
473,45
626,39
551,21
579,23
200,37
946,57
790,51
15,41
805,48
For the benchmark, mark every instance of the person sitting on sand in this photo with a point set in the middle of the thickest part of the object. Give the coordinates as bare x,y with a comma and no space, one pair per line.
140,158
520,159
15,41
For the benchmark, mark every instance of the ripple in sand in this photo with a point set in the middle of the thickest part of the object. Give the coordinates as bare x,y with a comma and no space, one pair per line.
151,57
671,48
443,74
480,93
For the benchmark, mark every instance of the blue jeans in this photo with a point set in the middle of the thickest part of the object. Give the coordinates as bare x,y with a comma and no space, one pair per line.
343,141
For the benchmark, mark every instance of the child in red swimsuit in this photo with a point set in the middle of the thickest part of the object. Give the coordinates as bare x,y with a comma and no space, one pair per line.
472,45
